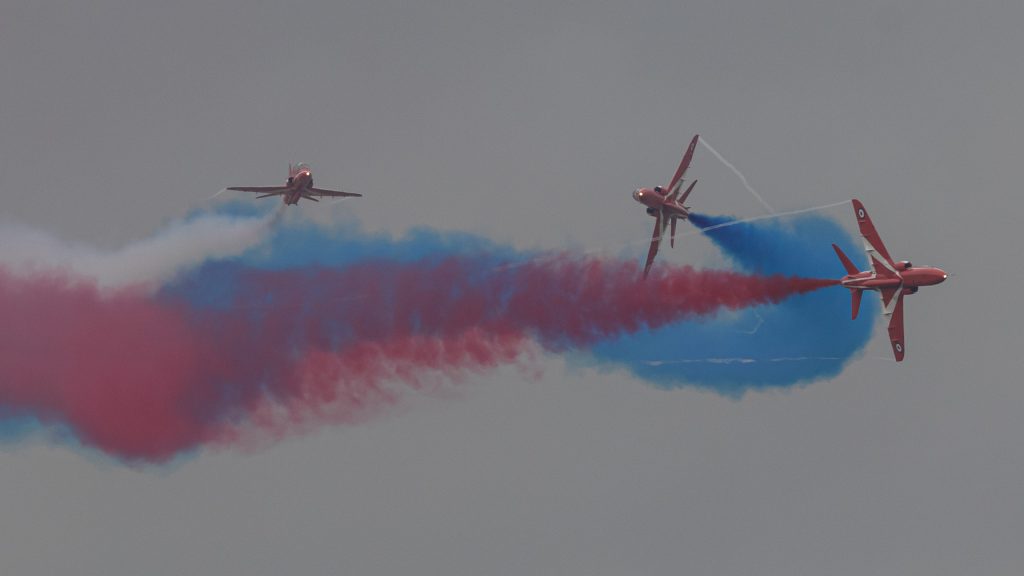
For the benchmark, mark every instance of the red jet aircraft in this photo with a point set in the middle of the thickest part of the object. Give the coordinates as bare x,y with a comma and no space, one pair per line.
891,279
666,204
299,185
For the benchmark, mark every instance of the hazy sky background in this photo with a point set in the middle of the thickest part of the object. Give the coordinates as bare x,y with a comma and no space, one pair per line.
531,122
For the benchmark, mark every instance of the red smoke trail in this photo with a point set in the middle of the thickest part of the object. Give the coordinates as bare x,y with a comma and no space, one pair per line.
146,378
113,368
578,303
350,385
138,379
562,302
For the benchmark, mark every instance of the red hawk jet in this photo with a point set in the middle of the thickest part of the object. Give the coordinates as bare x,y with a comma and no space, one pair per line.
299,185
891,279
666,204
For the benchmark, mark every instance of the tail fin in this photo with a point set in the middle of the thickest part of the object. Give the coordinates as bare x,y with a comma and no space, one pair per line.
682,199
855,296
850,268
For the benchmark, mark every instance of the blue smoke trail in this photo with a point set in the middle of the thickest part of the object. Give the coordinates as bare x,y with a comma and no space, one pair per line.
297,243
16,426
805,338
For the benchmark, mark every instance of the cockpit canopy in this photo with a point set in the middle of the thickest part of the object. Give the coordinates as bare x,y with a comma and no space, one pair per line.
299,167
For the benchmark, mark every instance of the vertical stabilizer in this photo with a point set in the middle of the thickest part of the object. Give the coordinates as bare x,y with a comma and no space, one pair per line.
855,296
850,268
686,194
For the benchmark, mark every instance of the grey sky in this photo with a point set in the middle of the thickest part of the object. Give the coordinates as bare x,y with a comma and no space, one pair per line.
531,122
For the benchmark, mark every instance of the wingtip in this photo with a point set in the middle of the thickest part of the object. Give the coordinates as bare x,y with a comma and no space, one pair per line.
898,351
859,210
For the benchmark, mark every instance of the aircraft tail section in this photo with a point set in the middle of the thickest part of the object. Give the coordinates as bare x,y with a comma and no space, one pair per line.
855,296
682,199
847,264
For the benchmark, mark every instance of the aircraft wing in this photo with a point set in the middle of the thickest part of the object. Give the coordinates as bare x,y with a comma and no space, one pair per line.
896,329
890,299
259,189
877,253
331,193
677,179
659,229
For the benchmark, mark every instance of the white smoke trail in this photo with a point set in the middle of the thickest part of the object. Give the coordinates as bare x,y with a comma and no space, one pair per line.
738,173
148,262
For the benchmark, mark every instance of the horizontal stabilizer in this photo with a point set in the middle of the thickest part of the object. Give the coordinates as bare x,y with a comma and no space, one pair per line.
855,296
850,268
682,199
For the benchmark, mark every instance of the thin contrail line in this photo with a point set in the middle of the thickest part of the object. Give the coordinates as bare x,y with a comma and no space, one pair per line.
748,360
760,322
738,173
558,254
740,360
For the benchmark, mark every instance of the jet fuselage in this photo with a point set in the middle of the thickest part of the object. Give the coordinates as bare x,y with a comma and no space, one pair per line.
656,199
298,184
909,277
